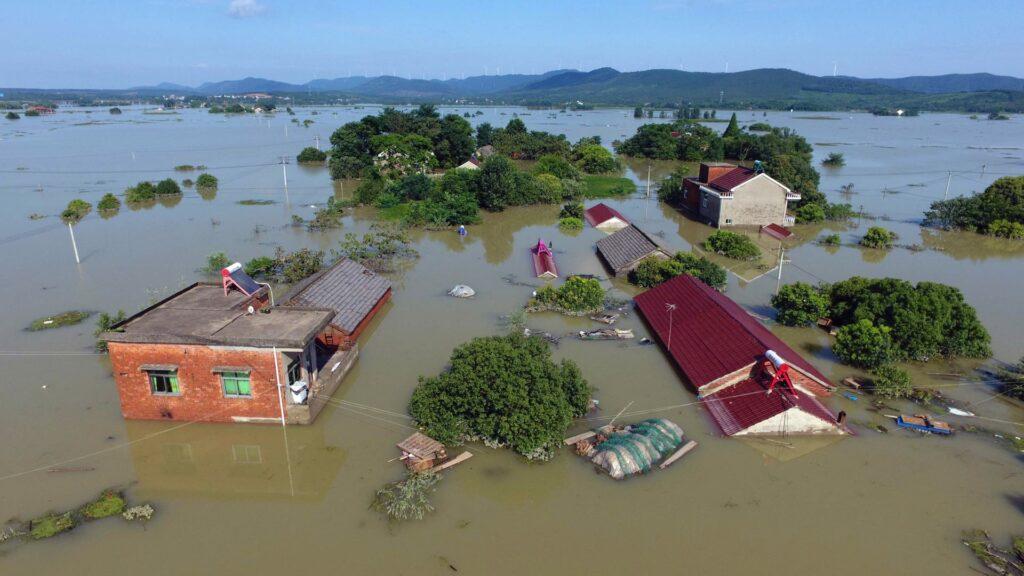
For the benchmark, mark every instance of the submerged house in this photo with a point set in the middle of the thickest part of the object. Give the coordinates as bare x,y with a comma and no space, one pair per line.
605,218
625,249
221,353
724,194
732,361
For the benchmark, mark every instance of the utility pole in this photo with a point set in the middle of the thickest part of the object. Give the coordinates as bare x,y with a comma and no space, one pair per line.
284,170
74,245
982,171
317,141
671,308
647,198
721,97
949,176
782,259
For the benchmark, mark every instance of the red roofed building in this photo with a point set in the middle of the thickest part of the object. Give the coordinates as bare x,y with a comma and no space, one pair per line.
605,218
721,351
724,194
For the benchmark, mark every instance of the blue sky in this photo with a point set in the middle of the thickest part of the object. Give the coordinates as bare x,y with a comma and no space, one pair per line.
100,43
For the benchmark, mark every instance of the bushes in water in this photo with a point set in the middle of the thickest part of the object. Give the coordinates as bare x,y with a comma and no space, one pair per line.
208,181
879,238
141,192
261,267
376,249
834,160
530,400
1012,380
832,240
1002,200
570,224
653,271
577,294
109,503
1006,229
572,210
732,245
864,345
892,382
329,216
216,262
69,318
800,304
108,203
103,324
300,264
76,210
407,499
167,187
311,155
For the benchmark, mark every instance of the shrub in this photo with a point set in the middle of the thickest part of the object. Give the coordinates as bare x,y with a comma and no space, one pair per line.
570,224
216,262
834,160
300,264
1002,200
800,304
141,192
596,159
577,294
810,213
838,212
110,503
205,180
832,240
311,155
892,382
879,238
549,189
1006,229
732,245
653,271
103,324
167,187
572,210
504,390
414,187
557,166
12,116
864,345
261,266
407,499
108,203
76,210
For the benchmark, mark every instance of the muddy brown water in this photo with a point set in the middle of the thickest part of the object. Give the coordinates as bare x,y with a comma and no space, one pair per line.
239,499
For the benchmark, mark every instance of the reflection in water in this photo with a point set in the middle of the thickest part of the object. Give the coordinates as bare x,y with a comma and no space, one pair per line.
971,246
227,461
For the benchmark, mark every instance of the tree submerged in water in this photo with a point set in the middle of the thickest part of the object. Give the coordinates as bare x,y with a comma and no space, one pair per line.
407,499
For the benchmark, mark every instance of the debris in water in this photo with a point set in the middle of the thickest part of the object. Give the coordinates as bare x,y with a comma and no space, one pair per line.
462,291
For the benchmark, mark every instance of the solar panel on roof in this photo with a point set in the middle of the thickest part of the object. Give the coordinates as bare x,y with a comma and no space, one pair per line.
240,279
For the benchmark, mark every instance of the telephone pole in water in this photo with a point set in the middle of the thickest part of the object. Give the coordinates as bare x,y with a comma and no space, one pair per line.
317,141
949,176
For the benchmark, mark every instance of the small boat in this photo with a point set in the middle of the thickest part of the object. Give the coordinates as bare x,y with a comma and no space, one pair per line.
923,423
606,334
605,318
543,261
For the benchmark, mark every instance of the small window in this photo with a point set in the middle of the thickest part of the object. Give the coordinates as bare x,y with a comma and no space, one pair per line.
295,371
685,193
236,384
246,454
163,382
704,202
728,220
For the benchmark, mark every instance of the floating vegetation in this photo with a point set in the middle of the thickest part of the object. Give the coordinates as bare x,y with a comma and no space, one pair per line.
69,318
997,560
141,513
111,502
407,499
254,202
36,216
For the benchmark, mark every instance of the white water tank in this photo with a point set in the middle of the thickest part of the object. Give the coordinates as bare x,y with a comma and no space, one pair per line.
300,391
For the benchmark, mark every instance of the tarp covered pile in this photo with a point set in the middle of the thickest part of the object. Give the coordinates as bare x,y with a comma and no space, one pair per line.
635,448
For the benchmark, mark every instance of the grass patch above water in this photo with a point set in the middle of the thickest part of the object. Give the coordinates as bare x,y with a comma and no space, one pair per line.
397,212
254,202
69,318
110,503
598,186
51,525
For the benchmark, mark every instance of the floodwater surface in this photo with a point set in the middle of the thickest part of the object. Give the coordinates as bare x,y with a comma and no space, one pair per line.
252,499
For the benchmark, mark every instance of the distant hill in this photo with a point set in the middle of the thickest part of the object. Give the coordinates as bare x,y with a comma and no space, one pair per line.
246,85
948,83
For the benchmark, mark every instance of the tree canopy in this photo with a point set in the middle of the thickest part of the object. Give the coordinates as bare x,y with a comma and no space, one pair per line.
505,390
993,211
653,271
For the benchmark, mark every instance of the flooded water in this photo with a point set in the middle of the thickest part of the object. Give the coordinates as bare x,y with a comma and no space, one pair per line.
250,499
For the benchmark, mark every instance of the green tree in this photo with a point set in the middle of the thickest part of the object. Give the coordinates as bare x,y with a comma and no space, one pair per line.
864,345
732,245
505,390
1002,200
577,294
834,160
141,192
878,237
733,129
800,304
497,183
891,382
311,155
809,213
12,116
414,187
653,271
572,209
454,142
167,187
108,203
596,159
75,211
638,112
1006,229
557,166
103,324
206,181
484,133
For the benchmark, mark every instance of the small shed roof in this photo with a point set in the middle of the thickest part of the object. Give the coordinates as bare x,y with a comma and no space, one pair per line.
627,246
600,213
348,288
777,232
421,446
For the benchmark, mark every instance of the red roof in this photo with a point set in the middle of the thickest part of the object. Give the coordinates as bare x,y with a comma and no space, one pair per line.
776,231
733,178
747,403
712,336
543,260
601,213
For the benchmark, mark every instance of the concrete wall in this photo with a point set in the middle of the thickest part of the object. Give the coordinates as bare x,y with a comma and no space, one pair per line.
710,207
757,202
201,395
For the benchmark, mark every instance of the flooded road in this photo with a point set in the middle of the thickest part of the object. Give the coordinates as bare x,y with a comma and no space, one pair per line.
239,499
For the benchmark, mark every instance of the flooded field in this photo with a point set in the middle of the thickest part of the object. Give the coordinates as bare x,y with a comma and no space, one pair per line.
245,499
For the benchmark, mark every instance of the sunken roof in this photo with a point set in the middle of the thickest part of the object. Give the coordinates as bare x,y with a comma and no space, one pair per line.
202,314
600,213
712,336
738,407
627,246
348,288
421,446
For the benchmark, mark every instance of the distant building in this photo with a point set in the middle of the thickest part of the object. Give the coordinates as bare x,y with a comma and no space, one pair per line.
605,218
219,353
625,249
41,109
471,164
484,152
724,194
723,354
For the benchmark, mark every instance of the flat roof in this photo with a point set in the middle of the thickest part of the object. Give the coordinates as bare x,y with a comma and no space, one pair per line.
202,314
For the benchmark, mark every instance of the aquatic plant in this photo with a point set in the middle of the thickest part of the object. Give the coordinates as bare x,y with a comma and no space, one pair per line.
879,238
141,513
255,202
891,382
732,245
69,318
50,525
407,499
110,503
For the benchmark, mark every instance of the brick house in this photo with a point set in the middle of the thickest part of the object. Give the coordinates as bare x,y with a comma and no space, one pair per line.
219,353
724,194
723,354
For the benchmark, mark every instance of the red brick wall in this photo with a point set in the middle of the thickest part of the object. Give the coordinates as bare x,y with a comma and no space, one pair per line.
202,395
709,173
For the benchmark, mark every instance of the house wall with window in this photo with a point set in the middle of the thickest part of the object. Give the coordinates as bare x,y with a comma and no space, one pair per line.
196,383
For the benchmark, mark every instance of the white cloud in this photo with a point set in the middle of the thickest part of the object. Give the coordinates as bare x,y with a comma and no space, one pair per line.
246,8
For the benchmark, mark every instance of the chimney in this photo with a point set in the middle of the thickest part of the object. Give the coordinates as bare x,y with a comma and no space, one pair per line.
712,170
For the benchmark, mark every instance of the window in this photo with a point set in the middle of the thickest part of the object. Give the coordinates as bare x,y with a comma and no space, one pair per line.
246,454
704,201
163,382
295,370
236,384
728,220
686,193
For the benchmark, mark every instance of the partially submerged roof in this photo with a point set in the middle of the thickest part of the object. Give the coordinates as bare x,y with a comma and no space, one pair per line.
421,446
627,246
712,336
348,288
743,406
202,314
600,213
777,232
